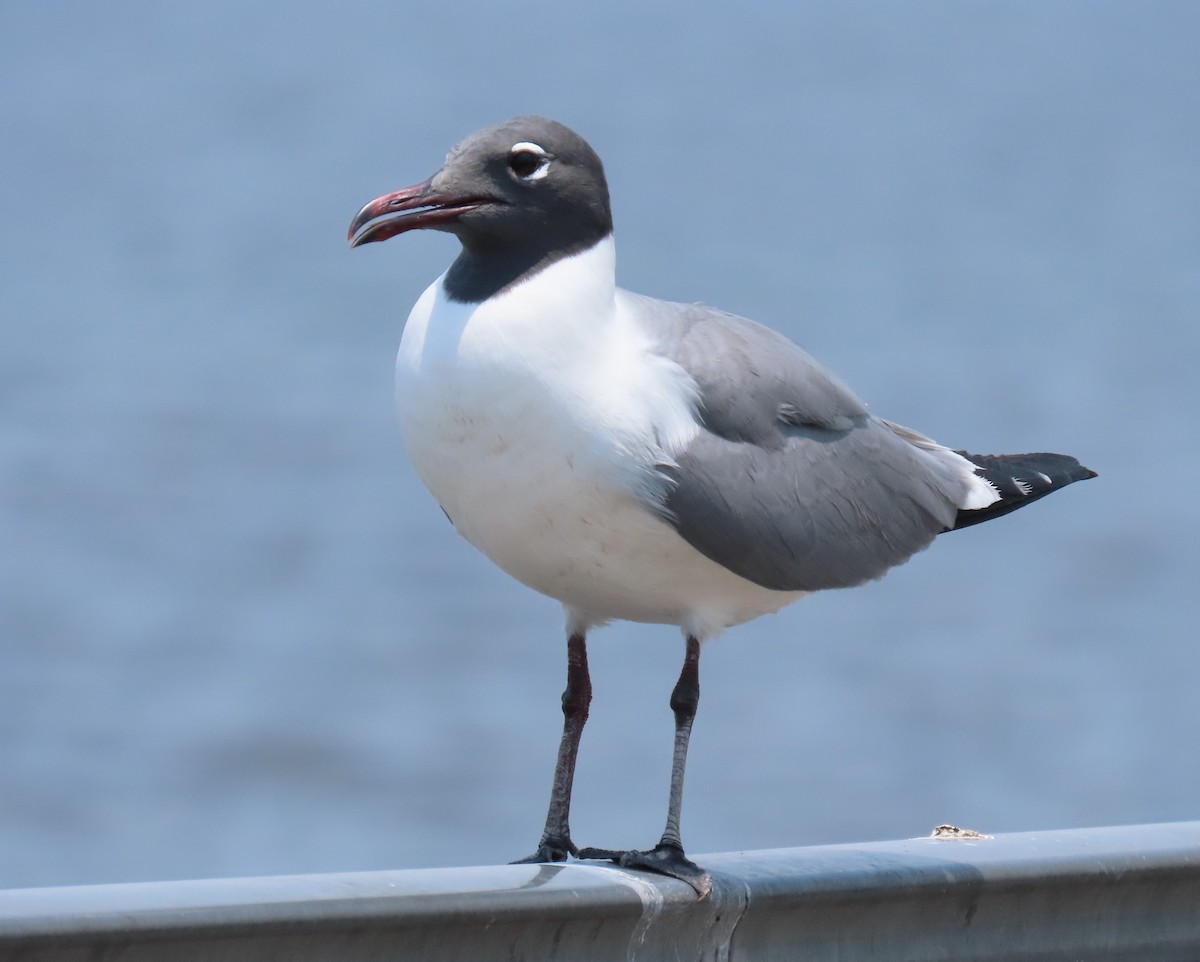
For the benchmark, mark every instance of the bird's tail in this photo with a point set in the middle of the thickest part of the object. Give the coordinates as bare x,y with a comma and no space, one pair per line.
1020,479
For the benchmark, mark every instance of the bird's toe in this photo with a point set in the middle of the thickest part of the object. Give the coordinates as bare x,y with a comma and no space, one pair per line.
549,850
662,859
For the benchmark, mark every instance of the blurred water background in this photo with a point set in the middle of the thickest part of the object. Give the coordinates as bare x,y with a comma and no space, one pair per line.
236,635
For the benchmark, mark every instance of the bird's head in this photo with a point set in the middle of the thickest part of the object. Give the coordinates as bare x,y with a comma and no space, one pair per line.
525,182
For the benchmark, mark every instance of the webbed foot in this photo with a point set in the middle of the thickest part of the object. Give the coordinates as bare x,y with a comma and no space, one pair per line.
549,850
662,859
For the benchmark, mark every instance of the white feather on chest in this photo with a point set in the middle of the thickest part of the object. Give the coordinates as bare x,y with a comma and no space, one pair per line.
537,420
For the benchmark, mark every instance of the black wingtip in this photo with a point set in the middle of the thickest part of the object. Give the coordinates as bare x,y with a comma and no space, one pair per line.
1021,479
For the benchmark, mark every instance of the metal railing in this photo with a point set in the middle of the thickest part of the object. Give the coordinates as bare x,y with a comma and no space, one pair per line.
1130,893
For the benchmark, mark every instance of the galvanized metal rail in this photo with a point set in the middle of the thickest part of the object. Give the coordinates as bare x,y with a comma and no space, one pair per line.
1129,893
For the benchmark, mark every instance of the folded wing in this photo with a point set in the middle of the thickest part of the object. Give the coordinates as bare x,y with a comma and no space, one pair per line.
791,483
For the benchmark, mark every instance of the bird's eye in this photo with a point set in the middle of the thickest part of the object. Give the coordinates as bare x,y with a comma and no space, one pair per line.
528,161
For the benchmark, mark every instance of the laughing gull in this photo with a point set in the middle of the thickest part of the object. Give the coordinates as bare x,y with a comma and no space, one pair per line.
639,459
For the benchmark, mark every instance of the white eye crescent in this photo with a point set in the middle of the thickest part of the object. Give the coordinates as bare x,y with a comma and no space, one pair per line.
528,161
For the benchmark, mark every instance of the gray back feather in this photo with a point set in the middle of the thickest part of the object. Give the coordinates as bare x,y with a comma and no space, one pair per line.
791,484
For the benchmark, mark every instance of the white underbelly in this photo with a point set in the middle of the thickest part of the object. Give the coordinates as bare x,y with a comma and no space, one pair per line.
545,506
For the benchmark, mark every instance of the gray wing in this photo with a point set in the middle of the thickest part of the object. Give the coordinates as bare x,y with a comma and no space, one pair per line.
790,483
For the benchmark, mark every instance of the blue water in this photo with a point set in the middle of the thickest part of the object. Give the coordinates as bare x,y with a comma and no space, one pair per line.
237,636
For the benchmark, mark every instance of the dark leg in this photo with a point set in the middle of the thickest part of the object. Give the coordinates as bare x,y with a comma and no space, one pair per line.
685,698
667,857
556,842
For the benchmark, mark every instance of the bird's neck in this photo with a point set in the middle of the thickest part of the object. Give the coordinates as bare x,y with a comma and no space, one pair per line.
565,313
483,270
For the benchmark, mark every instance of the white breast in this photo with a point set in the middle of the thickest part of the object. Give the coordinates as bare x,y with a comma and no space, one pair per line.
538,419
